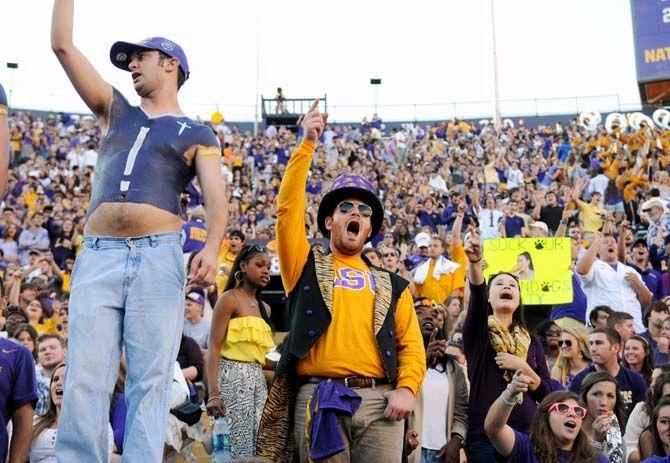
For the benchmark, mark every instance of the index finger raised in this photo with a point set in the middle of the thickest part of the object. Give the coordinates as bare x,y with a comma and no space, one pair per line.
314,106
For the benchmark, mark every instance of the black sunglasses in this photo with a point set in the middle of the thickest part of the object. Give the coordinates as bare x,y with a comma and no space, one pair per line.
390,254
345,207
552,333
567,342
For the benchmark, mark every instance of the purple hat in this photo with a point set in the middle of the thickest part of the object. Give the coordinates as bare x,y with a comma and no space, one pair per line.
196,295
121,52
351,186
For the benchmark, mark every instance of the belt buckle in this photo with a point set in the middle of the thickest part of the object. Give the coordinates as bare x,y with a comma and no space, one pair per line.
346,380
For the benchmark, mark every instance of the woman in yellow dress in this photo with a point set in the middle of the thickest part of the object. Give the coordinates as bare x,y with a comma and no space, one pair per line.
240,338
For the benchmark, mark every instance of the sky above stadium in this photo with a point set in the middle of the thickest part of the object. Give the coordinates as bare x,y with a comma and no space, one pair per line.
429,54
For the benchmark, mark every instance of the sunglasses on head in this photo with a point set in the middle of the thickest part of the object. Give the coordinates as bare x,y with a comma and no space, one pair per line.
345,207
567,342
564,409
256,248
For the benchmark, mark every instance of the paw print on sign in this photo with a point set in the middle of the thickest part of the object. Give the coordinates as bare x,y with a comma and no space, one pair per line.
545,287
540,244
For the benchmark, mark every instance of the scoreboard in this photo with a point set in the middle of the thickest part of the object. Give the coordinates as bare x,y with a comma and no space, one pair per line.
651,32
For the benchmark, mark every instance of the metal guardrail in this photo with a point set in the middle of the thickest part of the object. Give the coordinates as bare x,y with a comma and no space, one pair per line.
341,113
273,106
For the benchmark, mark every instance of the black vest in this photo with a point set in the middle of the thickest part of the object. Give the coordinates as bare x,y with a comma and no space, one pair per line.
310,305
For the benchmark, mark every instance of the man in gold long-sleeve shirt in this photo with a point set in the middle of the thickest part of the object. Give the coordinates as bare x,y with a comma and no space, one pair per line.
350,344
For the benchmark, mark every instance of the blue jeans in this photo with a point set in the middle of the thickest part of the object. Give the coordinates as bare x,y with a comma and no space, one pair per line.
125,293
430,456
481,452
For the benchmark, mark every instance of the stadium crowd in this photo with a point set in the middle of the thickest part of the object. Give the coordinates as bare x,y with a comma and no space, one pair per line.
584,381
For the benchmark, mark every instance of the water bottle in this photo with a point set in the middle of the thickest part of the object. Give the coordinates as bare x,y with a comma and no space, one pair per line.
221,442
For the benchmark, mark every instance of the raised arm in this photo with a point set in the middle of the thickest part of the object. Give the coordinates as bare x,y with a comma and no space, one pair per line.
586,262
539,202
292,244
473,250
498,431
54,266
476,205
457,228
96,93
621,245
562,229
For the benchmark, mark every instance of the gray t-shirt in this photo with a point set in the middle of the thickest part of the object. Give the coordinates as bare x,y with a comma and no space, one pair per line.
199,332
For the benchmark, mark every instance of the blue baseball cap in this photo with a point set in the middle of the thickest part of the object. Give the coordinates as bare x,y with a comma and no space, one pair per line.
121,52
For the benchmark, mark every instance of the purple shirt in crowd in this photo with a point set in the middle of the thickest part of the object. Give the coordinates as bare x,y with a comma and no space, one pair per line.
632,387
659,357
117,418
486,379
17,386
523,451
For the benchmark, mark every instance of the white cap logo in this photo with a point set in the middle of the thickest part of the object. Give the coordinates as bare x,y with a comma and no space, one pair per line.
167,45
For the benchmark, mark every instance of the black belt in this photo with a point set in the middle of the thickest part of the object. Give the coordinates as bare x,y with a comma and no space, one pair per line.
350,381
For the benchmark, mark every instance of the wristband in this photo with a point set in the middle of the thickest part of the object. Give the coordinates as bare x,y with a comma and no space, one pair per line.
505,401
474,261
213,398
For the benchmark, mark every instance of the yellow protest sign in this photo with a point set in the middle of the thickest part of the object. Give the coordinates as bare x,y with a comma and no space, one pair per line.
541,264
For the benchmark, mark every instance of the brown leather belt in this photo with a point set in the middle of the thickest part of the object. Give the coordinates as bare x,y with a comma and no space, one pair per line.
355,382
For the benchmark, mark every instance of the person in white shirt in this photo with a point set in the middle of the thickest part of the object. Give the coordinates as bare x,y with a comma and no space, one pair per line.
437,183
606,281
195,326
90,157
437,427
514,176
75,157
45,427
598,183
488,217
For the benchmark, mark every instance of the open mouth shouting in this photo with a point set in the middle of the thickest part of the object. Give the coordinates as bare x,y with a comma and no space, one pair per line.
353,228
571,425
135,76
506,295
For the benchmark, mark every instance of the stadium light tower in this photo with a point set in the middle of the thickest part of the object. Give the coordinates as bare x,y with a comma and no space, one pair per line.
258,67
375,83
13,67
496,102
